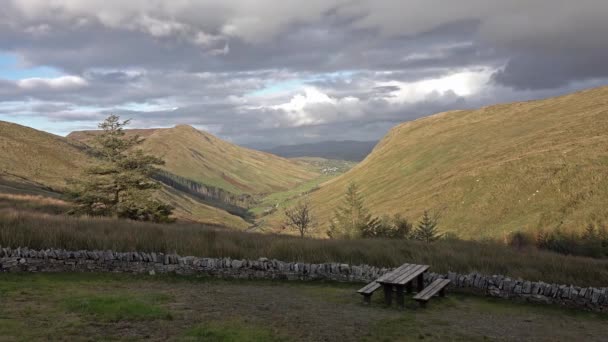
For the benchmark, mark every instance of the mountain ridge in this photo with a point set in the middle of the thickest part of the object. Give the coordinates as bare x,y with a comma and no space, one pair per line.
491,171
202,157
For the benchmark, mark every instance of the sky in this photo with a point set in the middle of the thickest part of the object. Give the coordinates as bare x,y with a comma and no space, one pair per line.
264,73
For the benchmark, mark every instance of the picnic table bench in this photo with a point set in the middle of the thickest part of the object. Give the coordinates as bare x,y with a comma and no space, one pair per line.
401,279
438,286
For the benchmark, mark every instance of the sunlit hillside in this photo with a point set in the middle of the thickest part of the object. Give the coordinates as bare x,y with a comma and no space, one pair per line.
490,171
39,164
208,160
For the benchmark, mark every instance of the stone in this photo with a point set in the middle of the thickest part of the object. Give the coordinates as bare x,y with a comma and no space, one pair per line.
526,287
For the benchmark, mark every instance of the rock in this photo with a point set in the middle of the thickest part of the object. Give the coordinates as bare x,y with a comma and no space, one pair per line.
526,287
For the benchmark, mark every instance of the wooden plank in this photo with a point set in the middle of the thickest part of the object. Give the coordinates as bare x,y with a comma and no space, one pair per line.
409,276
403,269
369,288
390,274
388,294
399,274
429,291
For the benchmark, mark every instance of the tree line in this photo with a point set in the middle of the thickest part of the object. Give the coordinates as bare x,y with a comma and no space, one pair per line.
232,203
352,220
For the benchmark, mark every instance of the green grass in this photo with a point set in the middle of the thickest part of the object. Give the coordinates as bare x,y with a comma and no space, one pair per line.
48,231
231,331
491,171
120,307
115,308
284,198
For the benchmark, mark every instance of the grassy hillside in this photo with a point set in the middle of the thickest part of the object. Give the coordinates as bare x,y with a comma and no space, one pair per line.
490,171
33,163
30,155
204,158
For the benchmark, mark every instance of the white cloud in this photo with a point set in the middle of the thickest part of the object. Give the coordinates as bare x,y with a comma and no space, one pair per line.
463,84
57,83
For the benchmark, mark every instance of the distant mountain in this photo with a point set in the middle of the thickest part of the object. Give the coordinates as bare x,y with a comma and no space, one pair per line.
341,150
39,163
198,157
491,171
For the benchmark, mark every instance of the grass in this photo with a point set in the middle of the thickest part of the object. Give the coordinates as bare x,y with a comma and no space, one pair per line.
134,308
283,198
491,171
328,169
114,308
40,157
41,231
33,162
230,331
206,159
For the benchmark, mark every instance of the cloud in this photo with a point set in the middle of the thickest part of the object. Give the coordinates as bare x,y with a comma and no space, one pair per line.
265,72
57,83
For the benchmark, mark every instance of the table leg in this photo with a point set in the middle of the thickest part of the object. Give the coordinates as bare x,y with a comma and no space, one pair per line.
400,297
388,294
408,287
420,282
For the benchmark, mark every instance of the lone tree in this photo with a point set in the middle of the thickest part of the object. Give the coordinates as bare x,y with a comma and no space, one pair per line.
352,218
121,185
300,217
427,228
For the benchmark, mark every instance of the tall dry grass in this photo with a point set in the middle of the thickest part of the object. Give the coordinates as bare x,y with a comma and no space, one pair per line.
35,203
45,231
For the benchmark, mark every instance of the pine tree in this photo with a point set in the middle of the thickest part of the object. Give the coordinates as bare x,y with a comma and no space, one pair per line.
121,184
352,218
427,228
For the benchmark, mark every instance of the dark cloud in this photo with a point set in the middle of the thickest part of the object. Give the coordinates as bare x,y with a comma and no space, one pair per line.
269,72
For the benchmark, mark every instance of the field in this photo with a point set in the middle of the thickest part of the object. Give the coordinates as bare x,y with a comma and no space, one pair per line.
491,171
40,231
327,169
84,307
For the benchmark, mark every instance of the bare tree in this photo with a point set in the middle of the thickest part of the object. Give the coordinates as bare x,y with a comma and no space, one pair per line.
300,217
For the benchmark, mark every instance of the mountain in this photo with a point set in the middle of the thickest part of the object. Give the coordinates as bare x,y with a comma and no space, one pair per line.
199,158
33,162
340,150
491,171
38,157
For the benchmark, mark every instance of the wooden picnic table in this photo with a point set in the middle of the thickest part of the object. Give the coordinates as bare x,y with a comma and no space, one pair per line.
401,279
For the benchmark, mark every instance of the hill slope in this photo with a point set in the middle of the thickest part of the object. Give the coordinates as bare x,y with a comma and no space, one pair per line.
339,150
520,166
36,156
33,162
206,159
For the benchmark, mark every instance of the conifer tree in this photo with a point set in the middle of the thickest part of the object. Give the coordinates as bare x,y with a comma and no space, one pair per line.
427,230
352,218
121,184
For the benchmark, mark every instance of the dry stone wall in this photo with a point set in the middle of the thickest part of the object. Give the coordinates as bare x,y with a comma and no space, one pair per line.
55,260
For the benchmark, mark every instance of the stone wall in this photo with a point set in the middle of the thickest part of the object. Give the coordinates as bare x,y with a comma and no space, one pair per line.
27,260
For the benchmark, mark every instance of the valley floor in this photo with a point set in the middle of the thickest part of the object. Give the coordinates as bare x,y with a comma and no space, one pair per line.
77,307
